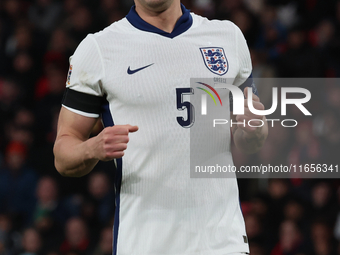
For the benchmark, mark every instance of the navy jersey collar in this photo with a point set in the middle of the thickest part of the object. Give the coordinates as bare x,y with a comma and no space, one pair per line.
182,25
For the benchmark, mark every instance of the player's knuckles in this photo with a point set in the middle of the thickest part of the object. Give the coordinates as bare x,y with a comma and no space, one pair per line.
123,139
255,97
114,152
240,117
241,126
251,115
106,138
113,155
108,157
108,141
119,154
106,154
107,135
115,130
247,112
122,146
258,106
107,130
107,148
256,123
112,147
120,139
119,147
245,117
120,130
111,138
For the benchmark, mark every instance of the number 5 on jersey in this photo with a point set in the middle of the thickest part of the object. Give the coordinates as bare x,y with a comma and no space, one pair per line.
185,105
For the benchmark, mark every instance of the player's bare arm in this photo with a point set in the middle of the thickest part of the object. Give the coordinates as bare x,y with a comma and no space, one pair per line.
250,139
76,154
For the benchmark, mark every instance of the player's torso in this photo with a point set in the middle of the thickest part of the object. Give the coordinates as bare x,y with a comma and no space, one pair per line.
143,74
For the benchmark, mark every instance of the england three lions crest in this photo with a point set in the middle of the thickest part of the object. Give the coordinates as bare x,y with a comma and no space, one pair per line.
215,60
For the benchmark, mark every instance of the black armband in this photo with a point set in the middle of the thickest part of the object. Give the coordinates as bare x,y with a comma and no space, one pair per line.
82,102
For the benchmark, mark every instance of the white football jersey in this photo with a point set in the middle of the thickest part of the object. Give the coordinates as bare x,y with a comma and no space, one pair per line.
129,73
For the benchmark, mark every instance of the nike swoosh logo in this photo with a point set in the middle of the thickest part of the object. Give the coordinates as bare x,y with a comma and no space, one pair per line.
129,71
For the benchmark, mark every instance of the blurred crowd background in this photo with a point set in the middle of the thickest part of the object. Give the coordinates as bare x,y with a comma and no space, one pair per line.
44,213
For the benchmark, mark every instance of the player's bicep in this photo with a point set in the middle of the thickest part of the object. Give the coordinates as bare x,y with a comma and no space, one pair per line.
74,125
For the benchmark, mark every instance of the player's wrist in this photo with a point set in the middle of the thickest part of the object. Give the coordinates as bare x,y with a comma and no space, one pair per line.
90,150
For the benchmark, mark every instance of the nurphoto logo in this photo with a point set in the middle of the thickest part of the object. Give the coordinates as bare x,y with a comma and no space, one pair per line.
238,104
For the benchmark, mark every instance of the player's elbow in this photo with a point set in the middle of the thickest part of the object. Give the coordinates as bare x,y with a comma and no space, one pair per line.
60,170
65,172
58,162
59,167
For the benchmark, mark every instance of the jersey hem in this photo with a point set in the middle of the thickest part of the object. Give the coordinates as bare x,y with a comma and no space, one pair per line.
229,251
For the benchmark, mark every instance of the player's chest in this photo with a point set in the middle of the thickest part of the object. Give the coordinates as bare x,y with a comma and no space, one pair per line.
147,71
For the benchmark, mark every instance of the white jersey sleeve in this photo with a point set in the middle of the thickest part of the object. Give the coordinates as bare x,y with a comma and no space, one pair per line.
244,58
84,79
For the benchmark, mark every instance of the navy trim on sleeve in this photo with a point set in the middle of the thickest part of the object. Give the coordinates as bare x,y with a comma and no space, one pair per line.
248,83
82,102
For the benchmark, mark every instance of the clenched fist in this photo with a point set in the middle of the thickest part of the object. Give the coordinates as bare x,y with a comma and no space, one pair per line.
111,142
248,115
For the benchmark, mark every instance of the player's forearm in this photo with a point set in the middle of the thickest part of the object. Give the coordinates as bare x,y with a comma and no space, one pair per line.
251,142
73,157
